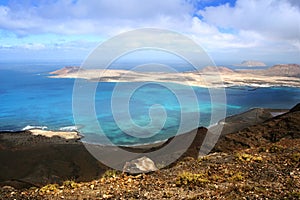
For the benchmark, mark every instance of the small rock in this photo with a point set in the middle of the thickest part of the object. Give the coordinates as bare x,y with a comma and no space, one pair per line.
107,196
146,194
8,188
140,165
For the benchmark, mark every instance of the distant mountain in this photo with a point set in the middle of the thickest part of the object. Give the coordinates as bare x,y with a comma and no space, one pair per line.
251,63
66,70
219,69
283,70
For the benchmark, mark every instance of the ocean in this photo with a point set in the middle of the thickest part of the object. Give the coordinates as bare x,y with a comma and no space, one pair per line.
29,98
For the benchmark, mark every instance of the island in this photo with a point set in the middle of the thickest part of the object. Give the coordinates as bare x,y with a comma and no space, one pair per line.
251,63
210,76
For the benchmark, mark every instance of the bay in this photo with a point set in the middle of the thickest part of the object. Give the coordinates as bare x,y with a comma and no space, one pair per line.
29,98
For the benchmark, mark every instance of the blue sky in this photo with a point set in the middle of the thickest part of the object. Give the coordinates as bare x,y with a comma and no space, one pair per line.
229,30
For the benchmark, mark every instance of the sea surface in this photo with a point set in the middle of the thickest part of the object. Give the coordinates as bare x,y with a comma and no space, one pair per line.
29,98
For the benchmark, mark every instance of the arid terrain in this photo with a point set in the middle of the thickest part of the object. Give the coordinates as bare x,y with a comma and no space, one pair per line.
210,76
260,161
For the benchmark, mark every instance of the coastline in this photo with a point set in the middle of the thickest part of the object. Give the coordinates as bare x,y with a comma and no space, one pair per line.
54,156
63,134
208,77
246,118
44,159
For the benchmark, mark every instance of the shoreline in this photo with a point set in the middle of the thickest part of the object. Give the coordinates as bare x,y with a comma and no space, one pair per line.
77,135
208,77
295,83
36,160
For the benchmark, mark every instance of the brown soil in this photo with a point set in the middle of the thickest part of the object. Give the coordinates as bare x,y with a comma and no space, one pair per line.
259,162
271,170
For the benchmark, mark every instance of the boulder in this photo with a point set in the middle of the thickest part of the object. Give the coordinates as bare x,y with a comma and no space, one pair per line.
140,165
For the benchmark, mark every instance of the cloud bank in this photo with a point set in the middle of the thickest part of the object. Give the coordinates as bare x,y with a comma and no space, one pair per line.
247,28
90,16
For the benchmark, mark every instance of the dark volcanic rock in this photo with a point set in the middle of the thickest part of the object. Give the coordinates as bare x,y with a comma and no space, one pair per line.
238,122
174,149
28,160
295,108
258,162
270,131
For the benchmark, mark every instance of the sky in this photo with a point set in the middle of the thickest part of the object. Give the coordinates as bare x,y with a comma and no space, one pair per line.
230,31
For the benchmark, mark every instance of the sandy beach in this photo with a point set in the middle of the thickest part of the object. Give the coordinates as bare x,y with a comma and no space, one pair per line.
63,134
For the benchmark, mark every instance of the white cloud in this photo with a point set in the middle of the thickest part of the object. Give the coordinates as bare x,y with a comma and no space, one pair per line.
92,16
257,26
213,39
275,19
263,29
33,46
26,46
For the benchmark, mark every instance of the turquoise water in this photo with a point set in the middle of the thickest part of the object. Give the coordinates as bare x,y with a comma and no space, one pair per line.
30,98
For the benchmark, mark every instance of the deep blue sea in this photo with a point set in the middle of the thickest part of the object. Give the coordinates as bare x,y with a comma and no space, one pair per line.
28,98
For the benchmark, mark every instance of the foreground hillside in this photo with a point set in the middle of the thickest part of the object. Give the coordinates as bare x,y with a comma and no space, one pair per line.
259,162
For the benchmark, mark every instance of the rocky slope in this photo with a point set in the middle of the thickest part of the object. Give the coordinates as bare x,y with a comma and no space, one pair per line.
66,70
258,162
290,70
271,131
35,160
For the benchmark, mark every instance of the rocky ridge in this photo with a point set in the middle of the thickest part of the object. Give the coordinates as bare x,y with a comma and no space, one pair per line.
257,162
